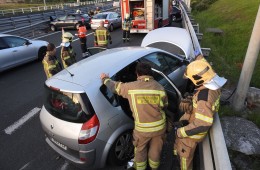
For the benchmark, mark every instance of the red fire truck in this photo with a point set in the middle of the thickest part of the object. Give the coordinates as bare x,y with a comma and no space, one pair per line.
147,15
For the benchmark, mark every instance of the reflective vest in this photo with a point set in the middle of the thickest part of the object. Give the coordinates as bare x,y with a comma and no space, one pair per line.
126,25
68,56
51,65
205,105
82,31
101,35
147,100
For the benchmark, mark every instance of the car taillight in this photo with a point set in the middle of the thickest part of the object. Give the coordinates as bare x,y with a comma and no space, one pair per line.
89,130
106,22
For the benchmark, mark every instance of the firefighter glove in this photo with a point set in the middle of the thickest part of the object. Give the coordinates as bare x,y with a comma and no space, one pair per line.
186,105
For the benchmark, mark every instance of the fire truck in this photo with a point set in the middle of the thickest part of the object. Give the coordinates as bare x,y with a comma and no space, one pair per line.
147,15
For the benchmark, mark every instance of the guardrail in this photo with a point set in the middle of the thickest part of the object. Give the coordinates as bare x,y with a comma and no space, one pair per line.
213,150
48,7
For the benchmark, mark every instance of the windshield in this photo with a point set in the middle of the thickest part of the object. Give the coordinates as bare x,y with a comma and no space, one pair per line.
68,106
100,16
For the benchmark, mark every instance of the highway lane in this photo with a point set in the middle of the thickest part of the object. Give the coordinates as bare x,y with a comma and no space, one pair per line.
21,91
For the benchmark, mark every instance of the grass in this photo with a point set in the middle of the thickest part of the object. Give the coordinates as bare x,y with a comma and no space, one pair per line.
236,18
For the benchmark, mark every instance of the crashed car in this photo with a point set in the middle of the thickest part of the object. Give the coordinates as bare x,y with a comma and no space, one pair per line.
89,125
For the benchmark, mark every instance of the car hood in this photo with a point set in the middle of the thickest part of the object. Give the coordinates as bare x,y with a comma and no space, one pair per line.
170,39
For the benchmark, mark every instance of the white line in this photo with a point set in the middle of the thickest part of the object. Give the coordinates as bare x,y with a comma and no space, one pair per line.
46,35
64,166
25,166
77,39
9,130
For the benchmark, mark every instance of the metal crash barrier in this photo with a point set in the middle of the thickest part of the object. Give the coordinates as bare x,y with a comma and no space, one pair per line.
213,150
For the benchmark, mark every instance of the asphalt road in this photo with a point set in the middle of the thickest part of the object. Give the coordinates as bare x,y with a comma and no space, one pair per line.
22,141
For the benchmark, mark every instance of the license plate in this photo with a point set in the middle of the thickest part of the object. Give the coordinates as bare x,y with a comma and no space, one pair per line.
59,144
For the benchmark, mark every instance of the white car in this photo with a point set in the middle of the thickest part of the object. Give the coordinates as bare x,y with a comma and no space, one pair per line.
15,50
111,20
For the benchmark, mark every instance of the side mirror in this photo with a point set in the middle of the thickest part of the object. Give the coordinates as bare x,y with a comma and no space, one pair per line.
27,42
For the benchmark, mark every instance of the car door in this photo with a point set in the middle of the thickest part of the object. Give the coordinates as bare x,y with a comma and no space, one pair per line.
170,65
70,21
61,21
19,51
6,54
116,20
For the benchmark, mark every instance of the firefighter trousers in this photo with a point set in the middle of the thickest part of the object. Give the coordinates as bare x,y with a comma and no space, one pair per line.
150,147
126,35
83,44
185,148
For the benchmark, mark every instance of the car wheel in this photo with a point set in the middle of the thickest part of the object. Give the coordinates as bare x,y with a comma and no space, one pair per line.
122,150
53,28
41,53
77,26
111,28
160,24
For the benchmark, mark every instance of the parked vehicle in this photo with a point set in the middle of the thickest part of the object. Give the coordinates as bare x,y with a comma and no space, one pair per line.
69,21
89,125
116,3
15,50
146,17
111,20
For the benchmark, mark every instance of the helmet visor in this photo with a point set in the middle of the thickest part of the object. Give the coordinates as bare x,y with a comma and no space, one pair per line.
215,83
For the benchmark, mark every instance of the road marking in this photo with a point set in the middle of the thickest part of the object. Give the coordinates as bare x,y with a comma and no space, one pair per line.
25,166
64,166
46,35
9,130
77,39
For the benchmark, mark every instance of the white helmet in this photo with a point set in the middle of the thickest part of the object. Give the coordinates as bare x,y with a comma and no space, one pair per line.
67,37
127,16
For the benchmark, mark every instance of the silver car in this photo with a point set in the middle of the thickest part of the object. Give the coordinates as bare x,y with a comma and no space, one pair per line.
111,20
89,125
15,50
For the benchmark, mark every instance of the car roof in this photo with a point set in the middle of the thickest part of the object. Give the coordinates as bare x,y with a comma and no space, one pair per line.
5,35
173,35
109,61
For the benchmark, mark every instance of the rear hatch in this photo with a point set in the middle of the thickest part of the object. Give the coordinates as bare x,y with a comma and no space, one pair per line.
66,116
95,21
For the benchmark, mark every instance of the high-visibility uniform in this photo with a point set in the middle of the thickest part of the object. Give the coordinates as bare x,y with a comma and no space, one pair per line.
82,31
102,36
68,56
126,29
147,100
96,11
205,105
51,65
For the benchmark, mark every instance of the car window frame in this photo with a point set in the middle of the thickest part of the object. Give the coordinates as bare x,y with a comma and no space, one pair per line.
4,43
11,46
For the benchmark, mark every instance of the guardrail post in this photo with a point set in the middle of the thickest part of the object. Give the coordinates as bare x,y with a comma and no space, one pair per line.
22,11
13,11
31,9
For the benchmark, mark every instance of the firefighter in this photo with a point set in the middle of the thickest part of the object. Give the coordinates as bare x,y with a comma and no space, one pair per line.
97,10
68,56
82,31
102,36
147,100
50,62
126,28
199,110
91,13
78,11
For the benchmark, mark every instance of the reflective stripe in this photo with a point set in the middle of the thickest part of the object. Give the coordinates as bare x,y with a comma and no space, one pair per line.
174,152
184,163
141,91
118,87
151,124
106,80
153,164
51,66
140,165
101,37
204,118
183,133
198,136
65,58
134,108
215,106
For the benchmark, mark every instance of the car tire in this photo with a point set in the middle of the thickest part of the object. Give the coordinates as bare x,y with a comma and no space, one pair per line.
111,28
77,26
53,28
122,150
42,53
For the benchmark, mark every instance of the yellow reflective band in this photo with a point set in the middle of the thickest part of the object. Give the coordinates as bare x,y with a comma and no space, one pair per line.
148,99
141,91
150,129
51,66
65,58
118,87
141,165
152,124
153,164
198,136
203,118
215,106
183,133
134,108
184,164
106,80
174,152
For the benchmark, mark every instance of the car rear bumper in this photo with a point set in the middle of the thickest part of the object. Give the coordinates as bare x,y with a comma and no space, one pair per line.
96,26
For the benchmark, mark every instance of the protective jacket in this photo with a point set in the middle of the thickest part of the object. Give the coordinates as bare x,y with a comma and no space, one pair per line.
68,56
205,105
127,25
102,36
51,64
147,100
82,31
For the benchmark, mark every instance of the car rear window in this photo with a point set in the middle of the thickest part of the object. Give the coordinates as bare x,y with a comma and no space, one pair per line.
100,16
72,107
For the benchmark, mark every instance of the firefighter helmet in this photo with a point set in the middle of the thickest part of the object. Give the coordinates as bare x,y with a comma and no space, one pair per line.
127,16
67,37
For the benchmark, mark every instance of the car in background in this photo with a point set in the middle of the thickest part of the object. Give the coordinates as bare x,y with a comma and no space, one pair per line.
116,3
89,125
111,20
15,50
71,21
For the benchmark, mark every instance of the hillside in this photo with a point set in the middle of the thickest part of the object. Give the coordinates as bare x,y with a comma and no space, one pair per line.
236,18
